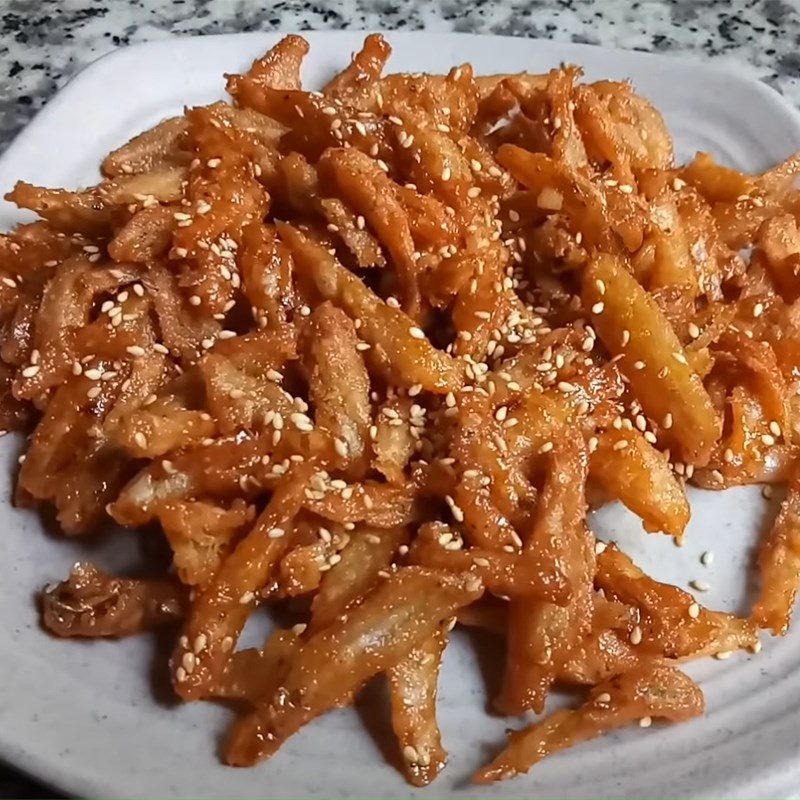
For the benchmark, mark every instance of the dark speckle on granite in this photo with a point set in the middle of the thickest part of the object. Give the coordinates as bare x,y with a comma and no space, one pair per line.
43,43
789,64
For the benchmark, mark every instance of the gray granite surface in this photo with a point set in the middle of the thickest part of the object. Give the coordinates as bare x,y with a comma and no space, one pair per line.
44,42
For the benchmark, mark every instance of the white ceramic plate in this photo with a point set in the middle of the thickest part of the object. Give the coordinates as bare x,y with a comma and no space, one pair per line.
84,715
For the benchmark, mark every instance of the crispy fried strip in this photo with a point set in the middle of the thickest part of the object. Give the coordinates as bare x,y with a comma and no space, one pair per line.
257,672
369,551
779,564
413,685
671,623
401,613
160,143
650,691
541,636
652,358
219,613
394,442
509,575
392,333
367,188
201,535
339,384
379,504
354,84
630,469
91,603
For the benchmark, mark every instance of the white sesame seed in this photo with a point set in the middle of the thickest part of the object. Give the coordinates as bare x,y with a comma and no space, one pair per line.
135,350
598,307
645,722
416,333
636,635
694,610
188,662
140,439
723,654
699,585
728,455
301,421
707,558
473,584
603,698
29,372
410,754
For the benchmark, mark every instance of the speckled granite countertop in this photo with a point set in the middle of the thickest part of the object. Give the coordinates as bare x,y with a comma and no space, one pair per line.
44,42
